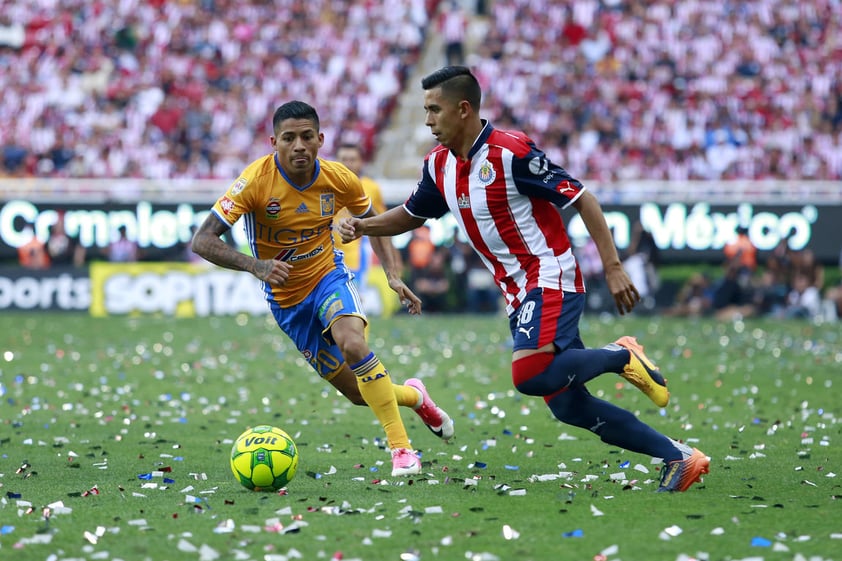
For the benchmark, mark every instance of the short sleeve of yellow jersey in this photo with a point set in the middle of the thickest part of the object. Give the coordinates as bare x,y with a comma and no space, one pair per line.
292,223
353,251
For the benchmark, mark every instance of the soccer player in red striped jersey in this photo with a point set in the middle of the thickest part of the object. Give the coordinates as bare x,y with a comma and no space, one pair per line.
506,194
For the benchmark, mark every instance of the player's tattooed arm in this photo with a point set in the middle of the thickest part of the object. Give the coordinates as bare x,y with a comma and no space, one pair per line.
208,244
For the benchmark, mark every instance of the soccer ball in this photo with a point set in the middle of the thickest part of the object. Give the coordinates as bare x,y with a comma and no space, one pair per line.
264,458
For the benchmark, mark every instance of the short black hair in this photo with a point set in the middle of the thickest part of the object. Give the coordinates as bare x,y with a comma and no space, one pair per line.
455,82
294,110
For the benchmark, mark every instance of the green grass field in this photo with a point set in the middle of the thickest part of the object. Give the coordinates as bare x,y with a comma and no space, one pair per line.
116,434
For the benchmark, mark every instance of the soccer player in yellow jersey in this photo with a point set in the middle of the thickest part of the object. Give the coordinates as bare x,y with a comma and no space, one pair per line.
288,200
358,252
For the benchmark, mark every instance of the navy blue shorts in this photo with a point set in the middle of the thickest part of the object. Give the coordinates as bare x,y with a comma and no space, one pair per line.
548,316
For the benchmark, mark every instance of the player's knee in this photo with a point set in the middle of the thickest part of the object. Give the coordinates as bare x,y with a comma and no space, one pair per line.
526,373
354,349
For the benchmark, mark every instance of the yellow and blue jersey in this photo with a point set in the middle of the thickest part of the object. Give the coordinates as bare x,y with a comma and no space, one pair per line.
357,253
293,223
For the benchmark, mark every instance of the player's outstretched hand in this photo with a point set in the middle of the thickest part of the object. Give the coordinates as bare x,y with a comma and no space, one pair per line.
408,298
272,271
622,289
349,229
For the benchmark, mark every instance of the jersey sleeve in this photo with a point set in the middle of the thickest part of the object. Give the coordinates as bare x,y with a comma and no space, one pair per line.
426,201
536,176
234,203
355,199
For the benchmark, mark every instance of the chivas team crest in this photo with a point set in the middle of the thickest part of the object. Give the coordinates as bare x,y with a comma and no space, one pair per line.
486,173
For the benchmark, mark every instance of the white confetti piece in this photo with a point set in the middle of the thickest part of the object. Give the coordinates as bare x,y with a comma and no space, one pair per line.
207,553
137,522
595,511
510,533
517,492
433,510
377,533
543,477
92,539
225,527
673,530
619,476
641,468
610,550
186,546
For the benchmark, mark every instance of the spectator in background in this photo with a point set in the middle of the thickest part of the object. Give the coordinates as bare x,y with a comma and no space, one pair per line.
732,294
123,250
590,263
694,299
420,249
453,26
63,249
804,299
642,263
742,250
832,303
432,283
33,255
377,297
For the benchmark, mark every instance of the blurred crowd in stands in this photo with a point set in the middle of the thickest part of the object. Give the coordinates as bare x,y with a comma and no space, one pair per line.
666,89
165,89
613,89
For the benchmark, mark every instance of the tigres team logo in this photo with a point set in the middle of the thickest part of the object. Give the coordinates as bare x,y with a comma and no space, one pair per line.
486,173
328,204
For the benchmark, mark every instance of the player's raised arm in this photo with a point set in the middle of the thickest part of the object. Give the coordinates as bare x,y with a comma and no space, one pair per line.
620,285
208,244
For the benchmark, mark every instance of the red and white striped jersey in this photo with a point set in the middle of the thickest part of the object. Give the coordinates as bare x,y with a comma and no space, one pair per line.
506,198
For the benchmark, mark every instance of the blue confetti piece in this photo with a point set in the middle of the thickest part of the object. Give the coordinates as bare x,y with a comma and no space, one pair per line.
512,468
574,534
178,459
372,469
760,542
169,481
625,464
182,420
146,476
6,529
507,432
480,465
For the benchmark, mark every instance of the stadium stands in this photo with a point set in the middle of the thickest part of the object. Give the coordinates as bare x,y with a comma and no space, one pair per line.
614,89
163,89
670,90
